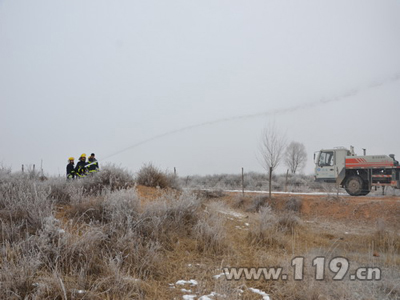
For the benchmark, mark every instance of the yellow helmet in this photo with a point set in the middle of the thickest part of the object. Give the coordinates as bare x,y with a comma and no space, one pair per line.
71,158
83,155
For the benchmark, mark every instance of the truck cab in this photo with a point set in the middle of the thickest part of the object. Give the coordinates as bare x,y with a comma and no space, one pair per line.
329,163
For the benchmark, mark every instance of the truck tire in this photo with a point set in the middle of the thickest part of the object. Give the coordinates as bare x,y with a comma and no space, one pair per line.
354,186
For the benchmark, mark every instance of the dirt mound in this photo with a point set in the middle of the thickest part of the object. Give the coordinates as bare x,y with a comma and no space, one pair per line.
342,208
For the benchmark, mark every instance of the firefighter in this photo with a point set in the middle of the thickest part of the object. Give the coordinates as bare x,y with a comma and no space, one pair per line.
93,165
81,169
71,168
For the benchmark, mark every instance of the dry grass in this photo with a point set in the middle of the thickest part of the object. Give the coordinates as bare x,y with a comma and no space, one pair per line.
257,203
59,241
293,204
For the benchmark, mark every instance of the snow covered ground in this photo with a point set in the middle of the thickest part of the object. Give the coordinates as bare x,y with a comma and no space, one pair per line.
284,193
191,283
266,192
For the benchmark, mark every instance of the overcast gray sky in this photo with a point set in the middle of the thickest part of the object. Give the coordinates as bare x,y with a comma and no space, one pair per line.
191,84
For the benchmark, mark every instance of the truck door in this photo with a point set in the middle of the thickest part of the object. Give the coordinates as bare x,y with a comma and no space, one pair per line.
325,166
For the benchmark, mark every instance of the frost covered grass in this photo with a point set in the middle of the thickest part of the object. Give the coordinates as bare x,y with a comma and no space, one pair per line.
93,238
253,182
104,238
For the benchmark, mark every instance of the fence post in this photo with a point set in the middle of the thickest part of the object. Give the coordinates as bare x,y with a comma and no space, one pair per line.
287,174
242,182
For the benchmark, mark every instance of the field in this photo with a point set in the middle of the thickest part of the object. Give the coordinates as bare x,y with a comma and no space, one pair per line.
107,237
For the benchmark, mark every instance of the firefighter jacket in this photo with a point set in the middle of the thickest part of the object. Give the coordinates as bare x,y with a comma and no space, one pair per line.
70,171
81,169
93,165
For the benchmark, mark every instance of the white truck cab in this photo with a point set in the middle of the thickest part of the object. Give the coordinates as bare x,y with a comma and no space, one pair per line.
329,163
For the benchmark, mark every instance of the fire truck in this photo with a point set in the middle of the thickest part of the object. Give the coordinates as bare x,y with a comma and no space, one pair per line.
356,174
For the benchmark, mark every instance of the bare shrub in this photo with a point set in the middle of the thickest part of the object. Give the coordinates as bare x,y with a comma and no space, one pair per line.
239,202
209,233
109,177
114,177
70,251
5,173
270,230
136,255
55,286
171,215
288,221
257,203
263,231
151,176
117,282
141,237
17,272
293,204
59,192
113,207
88,211
209,230
121,208
210,194
383,239
24,203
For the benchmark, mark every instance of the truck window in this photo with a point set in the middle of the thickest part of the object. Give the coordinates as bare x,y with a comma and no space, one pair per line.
326,159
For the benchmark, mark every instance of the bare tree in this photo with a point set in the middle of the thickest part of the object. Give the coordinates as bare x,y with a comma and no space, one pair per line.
295,157
271,149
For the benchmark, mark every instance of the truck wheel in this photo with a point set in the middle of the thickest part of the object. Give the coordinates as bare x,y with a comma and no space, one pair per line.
354,186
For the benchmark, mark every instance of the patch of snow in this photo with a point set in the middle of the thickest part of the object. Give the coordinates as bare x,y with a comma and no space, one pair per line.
218,276
231,213
247,224
263,294
192,282
186,291
74,291
213,294
189,297
285,193
130,278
